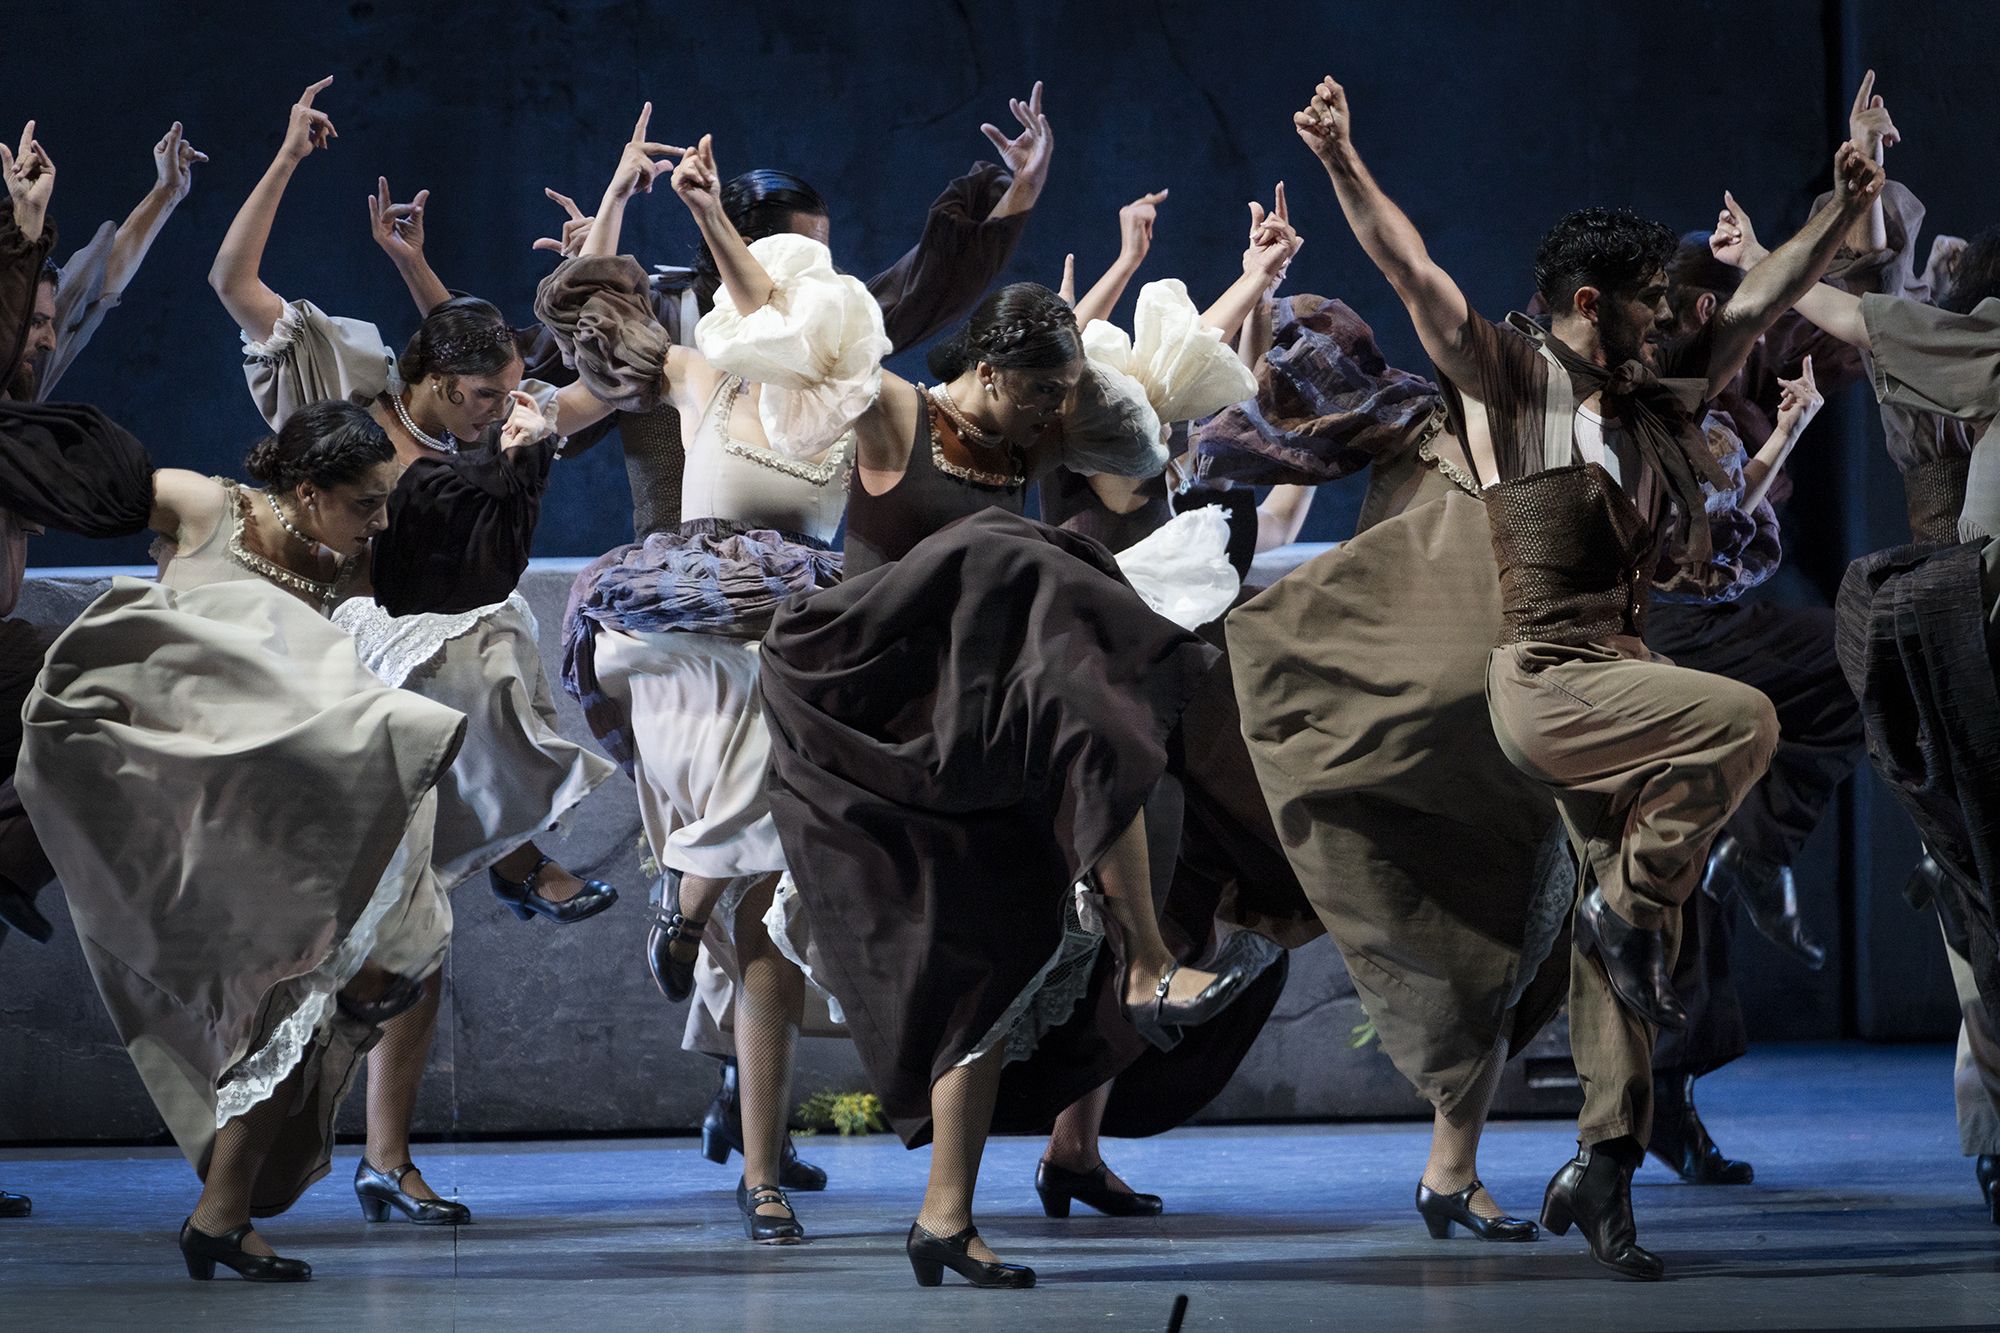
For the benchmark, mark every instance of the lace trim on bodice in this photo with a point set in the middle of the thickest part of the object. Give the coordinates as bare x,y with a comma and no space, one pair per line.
832,465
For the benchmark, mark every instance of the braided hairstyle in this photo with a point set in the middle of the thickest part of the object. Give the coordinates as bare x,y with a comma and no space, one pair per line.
1023,326
758,204
329,443
462,336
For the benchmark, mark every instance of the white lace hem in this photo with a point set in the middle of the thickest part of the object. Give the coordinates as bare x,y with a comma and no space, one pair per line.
397,647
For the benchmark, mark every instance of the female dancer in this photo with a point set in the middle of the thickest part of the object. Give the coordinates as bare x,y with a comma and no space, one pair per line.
516,775
186,730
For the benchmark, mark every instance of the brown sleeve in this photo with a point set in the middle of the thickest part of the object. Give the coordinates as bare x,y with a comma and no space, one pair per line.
599,309
961,252
1513,378
21,263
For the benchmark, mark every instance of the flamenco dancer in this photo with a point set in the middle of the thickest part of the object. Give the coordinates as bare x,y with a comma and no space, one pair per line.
441,403
247,1001
1593,434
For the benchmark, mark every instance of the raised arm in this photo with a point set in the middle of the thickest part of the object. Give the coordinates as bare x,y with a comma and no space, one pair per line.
1273,242
235,275
399,230
31,180
1870,129
1027,154
1135,240
638,168
174,159
1437,307
1799,402
699,185
1794,269
1835,312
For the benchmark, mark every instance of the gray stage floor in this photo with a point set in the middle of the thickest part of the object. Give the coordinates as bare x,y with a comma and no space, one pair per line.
1863,1214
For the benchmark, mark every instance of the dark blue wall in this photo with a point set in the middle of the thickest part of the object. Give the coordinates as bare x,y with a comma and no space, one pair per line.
1486,120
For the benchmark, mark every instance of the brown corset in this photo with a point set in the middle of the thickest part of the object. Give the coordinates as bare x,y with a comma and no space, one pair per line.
654,460
1934,493
1574,556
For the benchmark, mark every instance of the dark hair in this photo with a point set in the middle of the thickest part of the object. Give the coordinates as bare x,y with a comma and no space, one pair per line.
1023,326
1976,276
758,204
462,336
328,443
51,274
1611,249
1694,270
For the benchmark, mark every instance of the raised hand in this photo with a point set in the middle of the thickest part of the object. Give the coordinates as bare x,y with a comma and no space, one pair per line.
525,424
1868,125
173,164
31,180
1067,289
1799,400
1325,125
308,128
697,181
1857,179
398,228
1135,225
1734,240
1273,241
1027,154
637,167
574,232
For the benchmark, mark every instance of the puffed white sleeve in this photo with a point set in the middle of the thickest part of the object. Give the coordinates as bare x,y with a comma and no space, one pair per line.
816,346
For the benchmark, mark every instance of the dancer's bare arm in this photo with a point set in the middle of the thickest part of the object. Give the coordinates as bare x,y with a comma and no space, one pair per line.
235,275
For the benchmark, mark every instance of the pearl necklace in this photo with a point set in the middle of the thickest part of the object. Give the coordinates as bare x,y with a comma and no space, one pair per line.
286,524
447,445
963,424
978,477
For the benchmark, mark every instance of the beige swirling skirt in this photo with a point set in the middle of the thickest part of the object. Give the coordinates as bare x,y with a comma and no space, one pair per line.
241,815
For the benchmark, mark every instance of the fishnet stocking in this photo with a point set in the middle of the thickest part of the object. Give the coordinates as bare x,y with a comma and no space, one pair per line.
395,1072
233,1164
1073,1142
1454,1160
1124,876
770,1005
961,1116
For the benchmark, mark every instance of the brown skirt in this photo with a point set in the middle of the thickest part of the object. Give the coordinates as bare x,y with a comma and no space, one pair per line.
1362,682
956,738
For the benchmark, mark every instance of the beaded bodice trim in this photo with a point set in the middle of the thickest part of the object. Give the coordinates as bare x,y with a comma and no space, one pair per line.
976,476
325,594
832,465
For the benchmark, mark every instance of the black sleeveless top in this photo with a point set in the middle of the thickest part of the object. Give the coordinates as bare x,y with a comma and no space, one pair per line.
883,528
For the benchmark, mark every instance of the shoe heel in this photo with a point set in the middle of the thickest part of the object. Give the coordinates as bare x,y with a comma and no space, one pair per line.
714,1146
374,1210
200,1269
1054,1203
930,1272
1440,1227
1557,1213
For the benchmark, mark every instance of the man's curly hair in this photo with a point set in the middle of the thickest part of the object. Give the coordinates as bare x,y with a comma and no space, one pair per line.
1611,249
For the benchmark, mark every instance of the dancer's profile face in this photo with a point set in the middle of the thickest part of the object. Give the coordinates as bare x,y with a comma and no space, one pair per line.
482,401
1029,402
346,515
39,347
1633,324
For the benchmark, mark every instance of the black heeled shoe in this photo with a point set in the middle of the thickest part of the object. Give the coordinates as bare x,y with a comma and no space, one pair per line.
15,1205
18,910
1681,1142
763,1228
722,1134
1987,1172
1093,1188
398,997
1594,1191
674,977
1634,959
1160,1020
379,1191
203,1252
1770,895
930,1254
1439,1211
522,900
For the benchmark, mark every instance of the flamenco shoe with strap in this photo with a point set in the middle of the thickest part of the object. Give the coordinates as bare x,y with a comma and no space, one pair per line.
674,976
1160,1020
1058,1185
722,1134
1440,1211
1635,960
1770,895
380,1191
767,1228
930,1254
15,1205
203,1252
522,900
1594,1192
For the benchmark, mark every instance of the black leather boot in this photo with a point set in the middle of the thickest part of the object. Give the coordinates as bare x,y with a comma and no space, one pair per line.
1770,897
1987,1171
15,1205
1635,960
1681,1141
1594,1191
722,1134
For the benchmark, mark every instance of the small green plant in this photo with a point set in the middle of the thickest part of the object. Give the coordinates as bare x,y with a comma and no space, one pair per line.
843,1112
1363,1033
649,865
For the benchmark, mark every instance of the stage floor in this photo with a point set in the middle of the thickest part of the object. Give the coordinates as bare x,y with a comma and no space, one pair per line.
1863,1214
